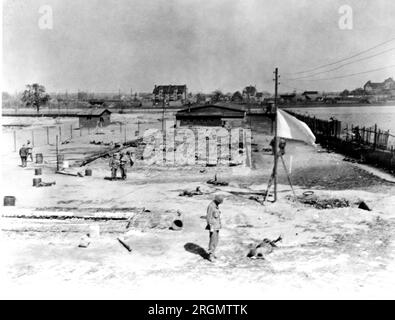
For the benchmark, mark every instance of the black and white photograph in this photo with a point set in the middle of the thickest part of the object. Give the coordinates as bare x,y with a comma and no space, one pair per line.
197,150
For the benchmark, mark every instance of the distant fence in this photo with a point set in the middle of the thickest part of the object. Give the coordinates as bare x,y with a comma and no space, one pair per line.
368,145
14,136
367,136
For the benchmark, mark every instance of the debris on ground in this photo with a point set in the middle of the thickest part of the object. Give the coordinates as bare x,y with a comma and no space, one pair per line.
322,203
364,206
258,199
189,193
263,248
217,182
147,219
46,184
72,174
177,224
85,241
124,244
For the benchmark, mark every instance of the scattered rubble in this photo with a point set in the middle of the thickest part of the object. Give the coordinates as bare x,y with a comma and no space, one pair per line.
328,203
188,193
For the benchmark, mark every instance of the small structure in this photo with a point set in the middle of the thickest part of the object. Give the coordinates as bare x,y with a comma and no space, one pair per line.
92,118
209,115
311,95
288,98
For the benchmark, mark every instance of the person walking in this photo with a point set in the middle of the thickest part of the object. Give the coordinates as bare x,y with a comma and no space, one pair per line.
23,154
114,165
213,218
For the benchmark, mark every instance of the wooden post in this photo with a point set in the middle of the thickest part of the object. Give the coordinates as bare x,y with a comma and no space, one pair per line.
375,137
14,141
60,133
275,134
71,131
47,135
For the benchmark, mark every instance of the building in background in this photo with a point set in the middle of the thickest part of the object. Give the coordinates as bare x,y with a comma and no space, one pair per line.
210,115
380,88
169,93
92,118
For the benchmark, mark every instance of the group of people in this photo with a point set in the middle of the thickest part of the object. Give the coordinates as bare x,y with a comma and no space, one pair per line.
119,162
25,152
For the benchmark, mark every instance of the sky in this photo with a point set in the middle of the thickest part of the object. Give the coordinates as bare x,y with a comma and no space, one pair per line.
111,45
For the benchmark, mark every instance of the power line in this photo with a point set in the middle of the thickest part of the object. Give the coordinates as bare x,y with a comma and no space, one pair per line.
344,59
348,75
343,65
290,87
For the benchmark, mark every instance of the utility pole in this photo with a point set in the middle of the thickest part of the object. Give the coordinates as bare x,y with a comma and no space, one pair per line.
163,114
275,133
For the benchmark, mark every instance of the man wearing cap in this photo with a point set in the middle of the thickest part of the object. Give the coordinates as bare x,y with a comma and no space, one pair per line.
214,224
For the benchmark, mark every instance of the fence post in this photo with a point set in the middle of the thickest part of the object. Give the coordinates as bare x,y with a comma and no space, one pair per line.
71,131
57,153
47,135
14,141
375,137
60,133
347,132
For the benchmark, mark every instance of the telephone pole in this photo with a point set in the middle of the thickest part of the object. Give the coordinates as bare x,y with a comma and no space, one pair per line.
275,133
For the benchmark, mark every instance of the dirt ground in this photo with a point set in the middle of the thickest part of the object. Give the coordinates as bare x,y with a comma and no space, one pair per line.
334,252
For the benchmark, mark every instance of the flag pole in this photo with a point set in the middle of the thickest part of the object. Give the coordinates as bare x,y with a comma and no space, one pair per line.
275,133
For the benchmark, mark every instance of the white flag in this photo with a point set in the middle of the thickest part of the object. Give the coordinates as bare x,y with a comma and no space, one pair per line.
291,128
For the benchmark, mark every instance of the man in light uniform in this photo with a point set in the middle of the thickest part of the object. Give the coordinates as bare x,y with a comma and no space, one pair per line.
214,224
114,165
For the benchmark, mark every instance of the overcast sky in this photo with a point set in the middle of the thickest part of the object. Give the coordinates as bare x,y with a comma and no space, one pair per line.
104,45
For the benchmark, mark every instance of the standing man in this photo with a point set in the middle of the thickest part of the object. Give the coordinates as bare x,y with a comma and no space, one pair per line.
114,165
23,154
29,150
214,224
122,165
